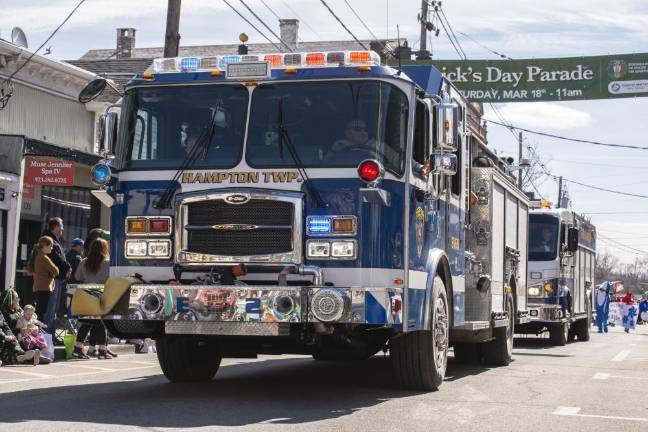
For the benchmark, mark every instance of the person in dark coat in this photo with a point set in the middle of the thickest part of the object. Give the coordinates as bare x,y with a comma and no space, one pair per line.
10,350
75,255
54,231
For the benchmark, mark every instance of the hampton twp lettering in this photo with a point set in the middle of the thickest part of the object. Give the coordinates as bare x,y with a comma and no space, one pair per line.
242,177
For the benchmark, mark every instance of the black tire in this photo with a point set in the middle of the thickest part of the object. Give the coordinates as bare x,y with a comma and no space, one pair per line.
584,325
420,358
559,334
499,352
468,353
184,358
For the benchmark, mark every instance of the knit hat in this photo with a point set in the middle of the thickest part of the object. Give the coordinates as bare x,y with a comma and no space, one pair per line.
77,242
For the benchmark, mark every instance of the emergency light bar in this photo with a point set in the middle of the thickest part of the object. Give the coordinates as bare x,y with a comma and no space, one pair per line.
275,60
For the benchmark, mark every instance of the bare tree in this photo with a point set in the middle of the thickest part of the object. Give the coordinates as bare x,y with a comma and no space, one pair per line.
607,266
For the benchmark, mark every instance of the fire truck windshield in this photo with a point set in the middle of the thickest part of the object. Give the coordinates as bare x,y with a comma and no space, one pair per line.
543,237
160,126
332,124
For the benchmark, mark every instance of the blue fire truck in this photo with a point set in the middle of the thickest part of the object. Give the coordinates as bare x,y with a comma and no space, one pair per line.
312,203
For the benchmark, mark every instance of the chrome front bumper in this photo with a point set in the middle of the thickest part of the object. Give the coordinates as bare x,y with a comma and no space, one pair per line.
544,313
256,310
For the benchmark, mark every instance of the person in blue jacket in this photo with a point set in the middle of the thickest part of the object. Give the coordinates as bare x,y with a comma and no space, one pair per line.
602,300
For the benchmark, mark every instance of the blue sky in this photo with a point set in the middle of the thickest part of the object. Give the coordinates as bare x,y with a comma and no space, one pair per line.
518,28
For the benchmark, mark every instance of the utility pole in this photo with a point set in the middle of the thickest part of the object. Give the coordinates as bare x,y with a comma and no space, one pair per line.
172,37
423,52
560,187
519,161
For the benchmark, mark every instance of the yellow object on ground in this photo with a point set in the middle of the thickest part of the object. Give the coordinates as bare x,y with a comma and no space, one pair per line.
85,302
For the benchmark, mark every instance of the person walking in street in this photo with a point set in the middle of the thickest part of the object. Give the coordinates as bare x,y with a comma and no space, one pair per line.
54,231
75,255
630,312
43,271
94,269
602,299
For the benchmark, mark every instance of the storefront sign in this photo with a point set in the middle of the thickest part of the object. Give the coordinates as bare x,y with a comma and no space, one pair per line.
49,172
554,79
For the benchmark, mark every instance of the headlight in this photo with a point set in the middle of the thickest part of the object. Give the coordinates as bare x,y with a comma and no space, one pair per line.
343,249
534,291
148,249
318,249
136,248
159,248
331,249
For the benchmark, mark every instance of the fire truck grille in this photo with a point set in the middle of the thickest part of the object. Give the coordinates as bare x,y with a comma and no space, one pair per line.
258,227
239,243
254,212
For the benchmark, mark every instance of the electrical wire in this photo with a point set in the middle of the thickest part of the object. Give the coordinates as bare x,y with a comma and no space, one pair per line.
4,98
384,44
614,213
265,25
598,143
342,24
301,19
440,9
252,25
504,56
599,164
270,9
614,242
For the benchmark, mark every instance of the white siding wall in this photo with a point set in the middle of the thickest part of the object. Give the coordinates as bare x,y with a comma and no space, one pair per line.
44,116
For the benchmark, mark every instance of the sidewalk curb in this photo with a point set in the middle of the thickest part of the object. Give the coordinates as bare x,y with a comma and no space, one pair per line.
59,351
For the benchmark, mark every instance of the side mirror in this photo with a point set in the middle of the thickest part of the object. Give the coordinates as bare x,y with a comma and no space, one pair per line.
108,135
444,164
446,114
93,90
572,239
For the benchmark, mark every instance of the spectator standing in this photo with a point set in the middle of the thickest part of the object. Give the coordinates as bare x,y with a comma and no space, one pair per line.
75,255
54,231
43,270
94,269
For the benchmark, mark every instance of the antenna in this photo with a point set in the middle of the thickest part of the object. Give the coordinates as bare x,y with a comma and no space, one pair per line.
18,37
400,63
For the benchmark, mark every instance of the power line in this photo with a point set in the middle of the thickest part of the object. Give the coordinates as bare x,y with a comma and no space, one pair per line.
301,19
599,164
384,44
614,242
252,25
270,9
603,189
504,56
265,25
598,143
4,98
440,9
614,213
342,24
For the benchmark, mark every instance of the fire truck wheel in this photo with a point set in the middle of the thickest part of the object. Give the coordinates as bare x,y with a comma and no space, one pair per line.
187,359
583,326
499,351
559,334
420,358
468,353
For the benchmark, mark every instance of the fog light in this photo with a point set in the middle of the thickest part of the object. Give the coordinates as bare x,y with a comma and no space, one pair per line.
327,305
283,304
151,303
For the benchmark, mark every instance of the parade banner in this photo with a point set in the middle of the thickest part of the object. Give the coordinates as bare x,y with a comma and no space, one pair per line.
549,79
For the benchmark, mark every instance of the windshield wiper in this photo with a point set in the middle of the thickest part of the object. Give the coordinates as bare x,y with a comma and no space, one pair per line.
200,147
284,137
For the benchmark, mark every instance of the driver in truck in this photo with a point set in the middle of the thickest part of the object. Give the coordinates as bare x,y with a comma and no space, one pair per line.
356,136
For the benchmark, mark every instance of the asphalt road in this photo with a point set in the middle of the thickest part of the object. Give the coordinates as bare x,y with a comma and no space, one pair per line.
601,385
